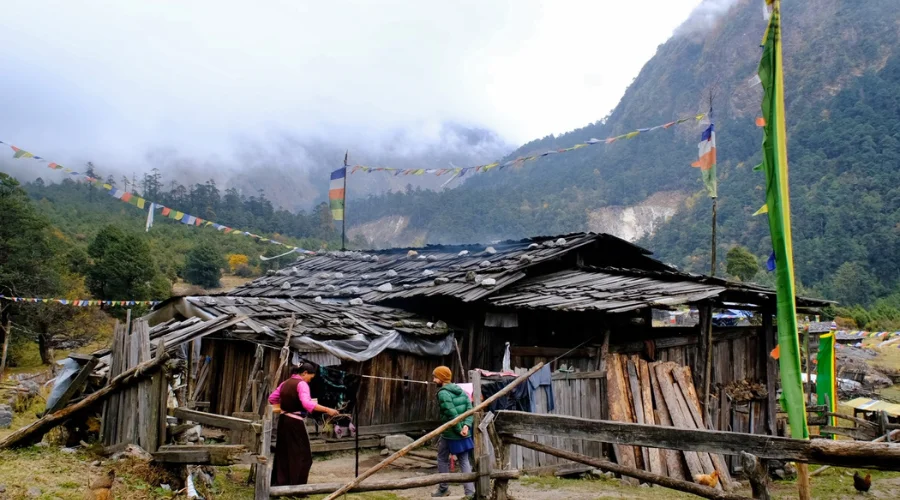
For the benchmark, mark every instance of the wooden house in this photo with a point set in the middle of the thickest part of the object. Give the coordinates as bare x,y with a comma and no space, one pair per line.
565,300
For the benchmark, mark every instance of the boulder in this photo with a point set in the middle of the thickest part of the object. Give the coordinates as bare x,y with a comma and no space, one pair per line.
133,451
397,441
6,416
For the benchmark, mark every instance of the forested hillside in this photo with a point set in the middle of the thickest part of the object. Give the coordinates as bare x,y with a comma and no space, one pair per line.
842,78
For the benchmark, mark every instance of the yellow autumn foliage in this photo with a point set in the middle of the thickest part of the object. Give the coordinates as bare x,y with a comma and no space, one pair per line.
236,260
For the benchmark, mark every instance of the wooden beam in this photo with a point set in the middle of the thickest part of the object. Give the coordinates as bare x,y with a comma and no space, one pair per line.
348,444
403,428
668,482
768,333
213,420
431,435
215,454
396,484
36,430
882,456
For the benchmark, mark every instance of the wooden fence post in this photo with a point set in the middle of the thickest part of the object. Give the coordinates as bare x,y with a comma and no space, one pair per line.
758,474
483,484
264,467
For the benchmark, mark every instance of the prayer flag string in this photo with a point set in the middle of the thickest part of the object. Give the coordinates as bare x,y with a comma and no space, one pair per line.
141,203
81,302
461,171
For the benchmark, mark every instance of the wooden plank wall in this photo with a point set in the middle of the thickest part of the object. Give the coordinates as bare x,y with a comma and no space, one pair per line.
578,395
130,415
381,401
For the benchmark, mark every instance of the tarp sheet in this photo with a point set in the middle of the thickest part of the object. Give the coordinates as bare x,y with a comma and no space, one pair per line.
362,347
63,380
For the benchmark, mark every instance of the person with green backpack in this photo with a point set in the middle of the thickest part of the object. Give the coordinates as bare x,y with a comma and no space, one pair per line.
457,440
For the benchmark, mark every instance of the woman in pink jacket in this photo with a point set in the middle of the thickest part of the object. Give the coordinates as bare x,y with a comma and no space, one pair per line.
293,403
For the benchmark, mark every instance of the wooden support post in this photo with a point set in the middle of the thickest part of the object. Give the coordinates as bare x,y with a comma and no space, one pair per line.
768,333
264,467
483,483
706,349
603,359
462,368
501,460
668,482
803,481
758,475
477,397
431,435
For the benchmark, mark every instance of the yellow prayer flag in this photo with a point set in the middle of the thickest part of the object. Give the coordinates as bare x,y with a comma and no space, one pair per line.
140,202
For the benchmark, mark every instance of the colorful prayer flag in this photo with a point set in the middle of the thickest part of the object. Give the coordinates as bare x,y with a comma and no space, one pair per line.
707,159
336,193
775,166
826,378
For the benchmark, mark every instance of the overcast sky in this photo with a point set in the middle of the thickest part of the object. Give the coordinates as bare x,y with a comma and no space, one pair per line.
86,78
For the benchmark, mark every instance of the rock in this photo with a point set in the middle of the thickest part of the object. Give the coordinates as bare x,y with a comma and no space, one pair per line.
411,254
6,416
441,281
354,290
470,277
356,302
463,253
428,272
485,263
270,272
876,380
397,441
96,463
432,258
561,242
386,287
2,488
488,282
533,246
391,273
165,487
42,444
385,452
364,277
331,288
34,492
338,275
68,451
490,251
285,286
422,257
526,258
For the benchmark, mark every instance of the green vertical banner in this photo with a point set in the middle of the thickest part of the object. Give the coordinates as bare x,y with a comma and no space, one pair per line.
775,166
826,376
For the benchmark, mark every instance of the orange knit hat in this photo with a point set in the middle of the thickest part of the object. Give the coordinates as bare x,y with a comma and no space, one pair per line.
443,374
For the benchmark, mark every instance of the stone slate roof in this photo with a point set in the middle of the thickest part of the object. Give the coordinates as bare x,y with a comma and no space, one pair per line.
465,272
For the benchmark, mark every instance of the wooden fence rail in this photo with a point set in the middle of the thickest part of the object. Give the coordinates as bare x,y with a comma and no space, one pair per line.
868,455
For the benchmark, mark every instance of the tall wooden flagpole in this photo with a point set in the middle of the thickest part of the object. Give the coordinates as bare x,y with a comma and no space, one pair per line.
344,218
707,372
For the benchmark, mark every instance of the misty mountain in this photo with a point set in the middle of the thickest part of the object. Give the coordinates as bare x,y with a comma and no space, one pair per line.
842,78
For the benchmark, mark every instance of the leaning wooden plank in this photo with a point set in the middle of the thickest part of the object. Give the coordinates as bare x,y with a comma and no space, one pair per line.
862,455
629,407
668,482
683,377
664,376
688,420
634,384
431,435
396,484
35,431
76,385
142,406
674,463
615,400
655,459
